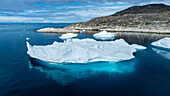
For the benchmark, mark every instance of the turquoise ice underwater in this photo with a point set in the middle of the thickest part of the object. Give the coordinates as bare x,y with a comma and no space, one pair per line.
84,57
78,58
148,72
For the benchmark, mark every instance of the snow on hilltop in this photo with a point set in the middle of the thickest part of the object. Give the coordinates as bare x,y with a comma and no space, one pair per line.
84,51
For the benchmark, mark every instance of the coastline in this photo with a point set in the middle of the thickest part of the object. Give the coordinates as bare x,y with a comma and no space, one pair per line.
88,29
151,18
57,30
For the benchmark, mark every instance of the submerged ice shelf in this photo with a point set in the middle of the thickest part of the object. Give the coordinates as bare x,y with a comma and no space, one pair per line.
162,47
65,74
84,51
163,53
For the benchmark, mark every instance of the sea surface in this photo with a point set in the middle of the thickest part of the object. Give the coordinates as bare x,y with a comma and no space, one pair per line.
148,74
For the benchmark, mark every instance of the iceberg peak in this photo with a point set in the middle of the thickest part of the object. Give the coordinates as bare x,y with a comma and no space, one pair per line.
68,36
104,35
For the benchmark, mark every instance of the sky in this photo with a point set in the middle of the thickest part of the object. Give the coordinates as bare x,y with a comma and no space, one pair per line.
63,11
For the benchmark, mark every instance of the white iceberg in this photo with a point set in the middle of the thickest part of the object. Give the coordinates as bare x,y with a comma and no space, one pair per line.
27,38
138,47
104,35
83,51
82,31
68,36
162,44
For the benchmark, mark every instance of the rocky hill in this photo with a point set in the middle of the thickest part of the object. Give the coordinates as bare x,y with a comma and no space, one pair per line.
152,17
151,8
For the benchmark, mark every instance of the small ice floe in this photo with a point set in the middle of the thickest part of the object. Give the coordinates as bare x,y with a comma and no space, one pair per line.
163,44
68,36
104,35
82,31
24,30
27,38
83,51
138,47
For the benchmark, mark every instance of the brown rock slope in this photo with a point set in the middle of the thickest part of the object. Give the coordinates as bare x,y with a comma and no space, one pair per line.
149,18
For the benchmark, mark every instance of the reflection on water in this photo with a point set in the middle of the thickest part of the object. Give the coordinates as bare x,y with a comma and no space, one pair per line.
140,38
137,38
163,53
130,37
64,74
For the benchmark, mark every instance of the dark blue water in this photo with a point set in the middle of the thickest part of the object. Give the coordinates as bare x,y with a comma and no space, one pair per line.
148,74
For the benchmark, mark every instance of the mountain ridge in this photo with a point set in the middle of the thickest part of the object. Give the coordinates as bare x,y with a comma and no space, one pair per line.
150,8
150,17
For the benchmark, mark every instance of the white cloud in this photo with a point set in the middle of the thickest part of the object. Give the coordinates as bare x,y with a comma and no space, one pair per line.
98,11
63,10
18,19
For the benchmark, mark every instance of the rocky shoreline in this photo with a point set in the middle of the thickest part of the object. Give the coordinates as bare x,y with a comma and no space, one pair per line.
118,29
152,18
57,30
127,29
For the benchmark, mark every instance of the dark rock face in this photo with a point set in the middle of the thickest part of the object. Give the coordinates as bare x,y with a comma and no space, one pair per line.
151,8
152,16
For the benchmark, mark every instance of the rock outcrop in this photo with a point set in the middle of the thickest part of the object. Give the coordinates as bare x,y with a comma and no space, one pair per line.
148,18
152,18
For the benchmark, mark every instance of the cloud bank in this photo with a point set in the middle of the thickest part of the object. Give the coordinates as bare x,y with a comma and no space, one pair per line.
57,11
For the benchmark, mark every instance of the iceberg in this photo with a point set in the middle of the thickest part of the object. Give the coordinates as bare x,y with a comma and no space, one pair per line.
82,31
83,51
104,35
27,38
138,47
162,44
68,36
